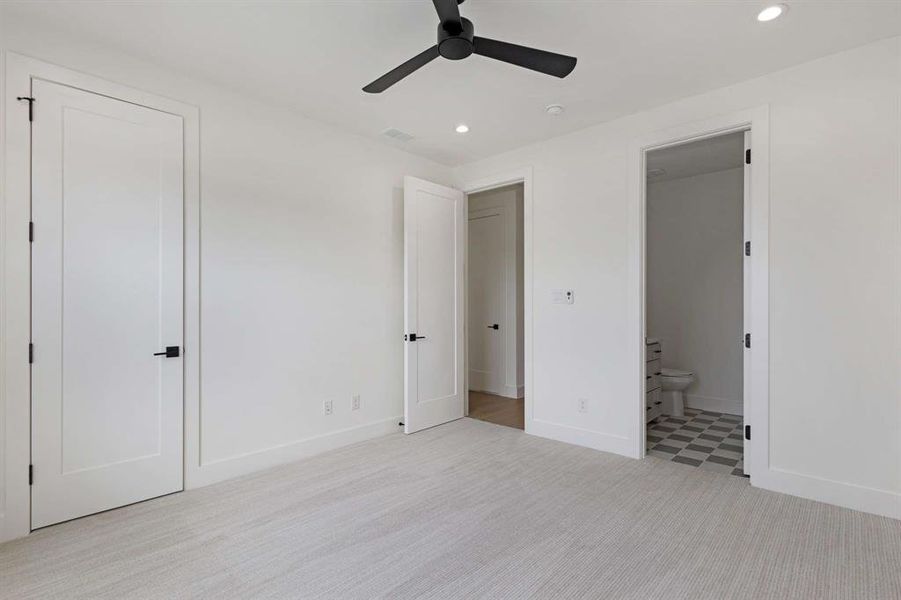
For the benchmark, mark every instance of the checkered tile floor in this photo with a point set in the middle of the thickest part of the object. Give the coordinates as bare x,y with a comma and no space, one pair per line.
703,439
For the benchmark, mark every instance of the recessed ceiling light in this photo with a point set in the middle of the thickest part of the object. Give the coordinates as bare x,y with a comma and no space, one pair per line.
554,109
462,128
771,12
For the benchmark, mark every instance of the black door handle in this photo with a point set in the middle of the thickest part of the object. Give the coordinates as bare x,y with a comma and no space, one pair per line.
171,352
495,326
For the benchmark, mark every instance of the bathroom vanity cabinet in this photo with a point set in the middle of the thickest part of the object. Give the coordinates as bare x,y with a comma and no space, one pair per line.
654,404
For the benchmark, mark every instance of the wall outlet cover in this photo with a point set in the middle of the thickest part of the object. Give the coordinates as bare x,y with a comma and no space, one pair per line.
562,296
327,407
355,402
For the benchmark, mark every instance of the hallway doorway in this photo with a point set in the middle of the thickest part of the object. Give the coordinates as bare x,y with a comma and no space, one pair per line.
495,306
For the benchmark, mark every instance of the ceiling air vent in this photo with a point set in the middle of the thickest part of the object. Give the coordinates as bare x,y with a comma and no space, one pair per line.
397,134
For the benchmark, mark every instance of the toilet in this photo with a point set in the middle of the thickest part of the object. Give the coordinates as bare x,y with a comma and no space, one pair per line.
675,381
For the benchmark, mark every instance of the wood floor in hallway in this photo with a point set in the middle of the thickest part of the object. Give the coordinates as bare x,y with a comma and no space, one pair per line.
499,410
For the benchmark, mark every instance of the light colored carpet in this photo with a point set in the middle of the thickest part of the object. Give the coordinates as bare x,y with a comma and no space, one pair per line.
465,510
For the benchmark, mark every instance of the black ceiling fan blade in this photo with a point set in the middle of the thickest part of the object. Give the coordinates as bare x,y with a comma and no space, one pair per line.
391,77
542,61
447,10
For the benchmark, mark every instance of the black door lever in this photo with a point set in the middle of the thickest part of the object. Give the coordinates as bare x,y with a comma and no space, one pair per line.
171,352
495,326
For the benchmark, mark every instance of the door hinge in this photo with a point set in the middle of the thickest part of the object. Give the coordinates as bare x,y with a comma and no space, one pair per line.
748,156
31,231
30,353
747,432
30,101
747,340
30,474
748,248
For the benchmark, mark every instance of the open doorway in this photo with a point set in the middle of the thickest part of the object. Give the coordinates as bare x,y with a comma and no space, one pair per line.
696,301
495,306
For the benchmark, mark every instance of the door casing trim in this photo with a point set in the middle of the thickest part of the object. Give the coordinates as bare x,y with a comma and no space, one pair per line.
15,272
756,385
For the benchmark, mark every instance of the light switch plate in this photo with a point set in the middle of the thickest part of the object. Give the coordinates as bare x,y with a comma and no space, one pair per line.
562,296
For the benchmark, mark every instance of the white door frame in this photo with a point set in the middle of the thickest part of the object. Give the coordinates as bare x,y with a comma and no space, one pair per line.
483,184
756,295
15,271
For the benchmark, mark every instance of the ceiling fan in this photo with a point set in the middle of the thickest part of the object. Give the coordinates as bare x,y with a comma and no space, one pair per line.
456,41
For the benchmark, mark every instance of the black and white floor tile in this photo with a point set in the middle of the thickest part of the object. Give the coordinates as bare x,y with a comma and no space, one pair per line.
703,439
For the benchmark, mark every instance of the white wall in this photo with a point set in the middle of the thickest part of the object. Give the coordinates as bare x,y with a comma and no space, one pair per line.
835,273
511,198
288,203
301,267
694,282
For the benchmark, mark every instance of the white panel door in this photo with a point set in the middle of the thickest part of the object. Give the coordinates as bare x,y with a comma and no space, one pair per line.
746,305
107,200
487,300
433,304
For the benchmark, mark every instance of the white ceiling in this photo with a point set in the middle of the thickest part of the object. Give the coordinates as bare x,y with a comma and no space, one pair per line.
316,55
696,158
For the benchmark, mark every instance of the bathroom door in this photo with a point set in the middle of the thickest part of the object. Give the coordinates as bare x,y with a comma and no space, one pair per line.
746,302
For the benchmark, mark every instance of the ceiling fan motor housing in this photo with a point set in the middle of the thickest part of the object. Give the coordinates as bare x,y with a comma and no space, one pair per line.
455,39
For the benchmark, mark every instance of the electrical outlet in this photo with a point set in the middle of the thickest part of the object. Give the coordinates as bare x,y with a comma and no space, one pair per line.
355,402
327,407
583,405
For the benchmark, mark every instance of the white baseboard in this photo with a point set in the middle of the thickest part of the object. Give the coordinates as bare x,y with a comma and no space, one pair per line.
513,391
244,464
509,391
847,495
721,405
581,437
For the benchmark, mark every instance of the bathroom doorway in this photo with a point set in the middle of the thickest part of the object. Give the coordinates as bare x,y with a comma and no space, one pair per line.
495,306
696,282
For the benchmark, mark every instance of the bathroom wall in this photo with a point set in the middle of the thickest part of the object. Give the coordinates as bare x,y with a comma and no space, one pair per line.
694,283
